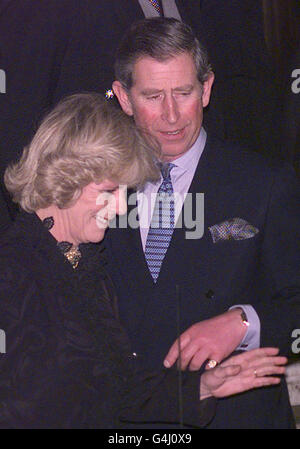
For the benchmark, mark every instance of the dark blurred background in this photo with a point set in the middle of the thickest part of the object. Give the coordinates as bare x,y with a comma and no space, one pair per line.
282,36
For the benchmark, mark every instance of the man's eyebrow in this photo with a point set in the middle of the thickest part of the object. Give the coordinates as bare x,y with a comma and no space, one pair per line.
185,87
153,91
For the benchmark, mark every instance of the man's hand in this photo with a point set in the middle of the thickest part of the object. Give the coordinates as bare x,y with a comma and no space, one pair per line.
215,338
243,372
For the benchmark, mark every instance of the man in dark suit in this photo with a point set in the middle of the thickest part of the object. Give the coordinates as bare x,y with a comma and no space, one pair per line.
52,49
244,252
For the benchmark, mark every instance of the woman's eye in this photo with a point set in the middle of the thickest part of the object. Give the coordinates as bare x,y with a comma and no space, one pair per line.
109,190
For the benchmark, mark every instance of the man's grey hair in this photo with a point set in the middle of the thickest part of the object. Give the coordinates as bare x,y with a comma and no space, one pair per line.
159,38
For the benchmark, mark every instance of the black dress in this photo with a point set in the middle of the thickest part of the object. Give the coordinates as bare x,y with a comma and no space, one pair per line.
68,361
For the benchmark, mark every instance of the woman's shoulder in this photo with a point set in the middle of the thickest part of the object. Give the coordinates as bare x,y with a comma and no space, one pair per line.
16,248
18,260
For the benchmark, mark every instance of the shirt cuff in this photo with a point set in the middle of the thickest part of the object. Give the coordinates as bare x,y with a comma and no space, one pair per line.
251,339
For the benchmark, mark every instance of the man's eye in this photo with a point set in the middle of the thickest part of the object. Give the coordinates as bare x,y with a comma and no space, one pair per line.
153,97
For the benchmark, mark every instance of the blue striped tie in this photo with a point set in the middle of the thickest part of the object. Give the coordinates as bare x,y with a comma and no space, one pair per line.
156,5
162,223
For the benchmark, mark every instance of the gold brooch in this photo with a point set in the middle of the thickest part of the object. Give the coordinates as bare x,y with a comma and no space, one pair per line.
71,253
73,256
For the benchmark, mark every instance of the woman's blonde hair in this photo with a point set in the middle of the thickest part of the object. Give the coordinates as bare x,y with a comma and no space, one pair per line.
84,139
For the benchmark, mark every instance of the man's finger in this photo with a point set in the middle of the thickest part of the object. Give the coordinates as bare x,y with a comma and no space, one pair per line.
173,353
186,355
197,361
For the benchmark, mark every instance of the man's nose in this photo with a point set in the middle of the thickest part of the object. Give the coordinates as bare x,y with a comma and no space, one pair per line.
170,111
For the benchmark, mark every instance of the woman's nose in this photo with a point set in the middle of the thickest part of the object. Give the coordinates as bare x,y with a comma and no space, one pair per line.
121,202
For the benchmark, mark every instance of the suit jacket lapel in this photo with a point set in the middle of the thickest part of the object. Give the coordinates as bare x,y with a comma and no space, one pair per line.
190,12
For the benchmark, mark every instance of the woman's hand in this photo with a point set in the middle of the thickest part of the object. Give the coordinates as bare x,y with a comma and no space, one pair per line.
252,369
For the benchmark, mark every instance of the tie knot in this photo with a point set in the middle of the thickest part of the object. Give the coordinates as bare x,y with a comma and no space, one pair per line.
166,169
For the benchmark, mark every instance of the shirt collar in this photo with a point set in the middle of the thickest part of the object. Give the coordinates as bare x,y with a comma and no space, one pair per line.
189,160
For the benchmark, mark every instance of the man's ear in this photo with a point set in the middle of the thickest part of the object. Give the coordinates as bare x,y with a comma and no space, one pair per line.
207,86
123,97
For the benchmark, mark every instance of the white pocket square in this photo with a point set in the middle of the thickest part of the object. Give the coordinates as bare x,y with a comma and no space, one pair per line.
234,228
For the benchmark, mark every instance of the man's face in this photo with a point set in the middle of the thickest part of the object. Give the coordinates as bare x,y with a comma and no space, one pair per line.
166,101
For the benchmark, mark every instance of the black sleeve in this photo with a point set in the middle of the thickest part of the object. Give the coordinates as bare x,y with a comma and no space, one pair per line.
155,398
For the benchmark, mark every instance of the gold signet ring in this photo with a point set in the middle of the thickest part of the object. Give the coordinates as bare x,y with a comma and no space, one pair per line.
212,363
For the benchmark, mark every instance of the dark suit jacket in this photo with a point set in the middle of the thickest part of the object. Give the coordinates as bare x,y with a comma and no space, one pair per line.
50,49
68,362
290,142
262,271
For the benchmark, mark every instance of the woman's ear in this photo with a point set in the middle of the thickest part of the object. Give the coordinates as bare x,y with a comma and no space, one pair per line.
123,97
